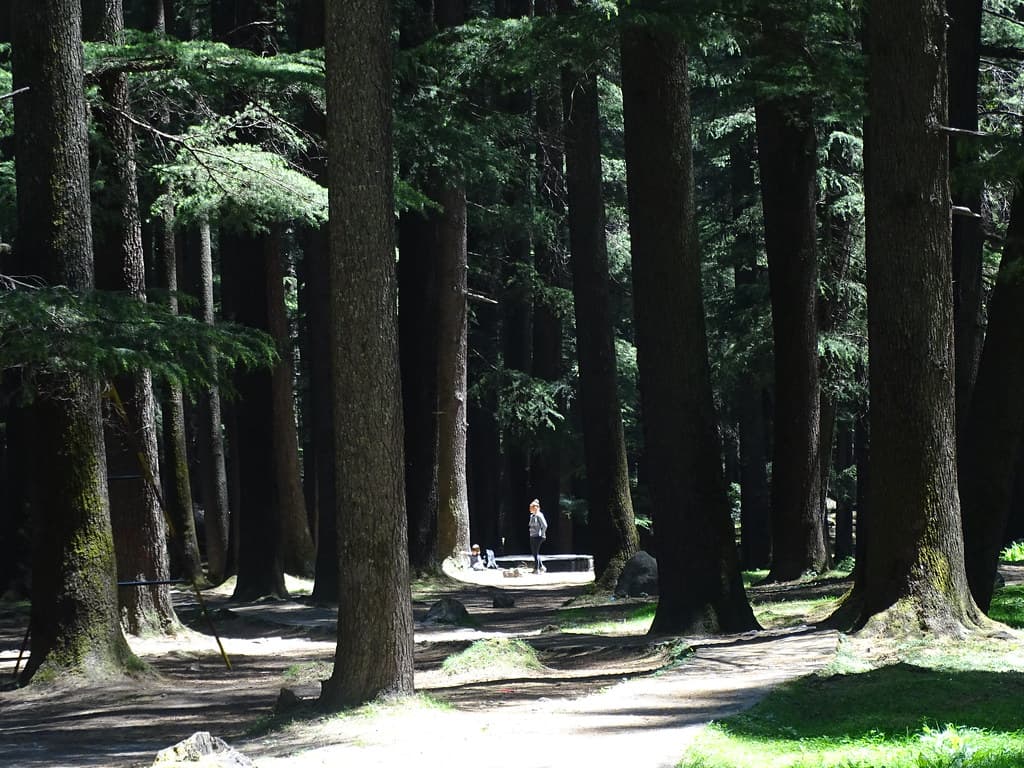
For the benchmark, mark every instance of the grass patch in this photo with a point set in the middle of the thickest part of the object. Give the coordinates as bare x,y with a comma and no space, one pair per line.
750,578
1008,606
791,613
494,657
588,621
308,672
899,716
1013,553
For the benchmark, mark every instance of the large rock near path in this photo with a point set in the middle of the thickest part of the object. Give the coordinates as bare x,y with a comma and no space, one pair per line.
639,577
447,610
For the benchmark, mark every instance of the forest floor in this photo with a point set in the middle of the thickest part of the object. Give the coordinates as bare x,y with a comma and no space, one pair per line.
598,698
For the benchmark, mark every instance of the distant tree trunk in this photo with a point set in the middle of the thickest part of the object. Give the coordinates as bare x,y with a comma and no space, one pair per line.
484,439
992,436
184,545
140,532
750,280
551,257
452,494
452,348
16,545
418,346
845,498
610,508
260,546
315,248
787,158
74,619
963,59
699,583
317,295
913,579
297,551
212,468
372,542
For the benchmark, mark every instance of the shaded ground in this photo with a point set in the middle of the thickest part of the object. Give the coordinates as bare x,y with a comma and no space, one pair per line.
597,695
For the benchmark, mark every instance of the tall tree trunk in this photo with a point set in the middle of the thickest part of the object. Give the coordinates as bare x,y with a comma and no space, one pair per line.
787,158
750,287
74,620
372,542
260,547
452,493
913,579
212,467
963,59
992,438
846,500
140,532
610,508
297,550
418,346
699,583
452,348
551,256
184,544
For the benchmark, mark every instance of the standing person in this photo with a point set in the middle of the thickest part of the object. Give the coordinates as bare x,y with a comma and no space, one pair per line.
538,532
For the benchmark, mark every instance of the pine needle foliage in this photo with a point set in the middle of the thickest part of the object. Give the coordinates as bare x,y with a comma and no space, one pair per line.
102,334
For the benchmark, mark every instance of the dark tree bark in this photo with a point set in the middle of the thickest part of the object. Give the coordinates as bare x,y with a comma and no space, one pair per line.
452,348
74,621
140,532
699,583
315,299
452,357
786,152
212,467
610,508
551,260
260,546
251,25
1015,523
913,579
992,437
177,485
374,653
418,345
963,58
846,500
298,552
751,287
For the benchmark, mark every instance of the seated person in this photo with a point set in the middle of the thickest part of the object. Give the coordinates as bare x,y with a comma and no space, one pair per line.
476,562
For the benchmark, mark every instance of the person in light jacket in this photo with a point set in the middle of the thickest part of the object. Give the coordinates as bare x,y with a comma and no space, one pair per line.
538,532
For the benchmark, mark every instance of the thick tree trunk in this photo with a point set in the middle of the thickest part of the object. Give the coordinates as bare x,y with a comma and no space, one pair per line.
963,58
992,437
913,578
74,621
787,158
610,508
260,546
212,467
699,582
374,654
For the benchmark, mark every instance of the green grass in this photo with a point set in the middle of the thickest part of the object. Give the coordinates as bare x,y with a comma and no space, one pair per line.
899,716
1008,606
1013,553
587,621
308,672
494,656
791,613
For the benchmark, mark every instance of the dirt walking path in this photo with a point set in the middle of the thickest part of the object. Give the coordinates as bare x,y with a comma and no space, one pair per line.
599,698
